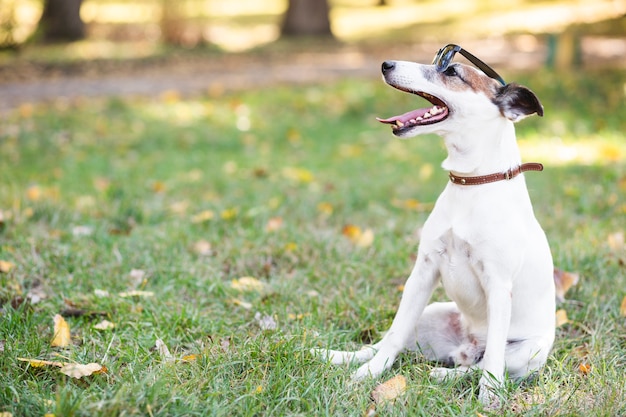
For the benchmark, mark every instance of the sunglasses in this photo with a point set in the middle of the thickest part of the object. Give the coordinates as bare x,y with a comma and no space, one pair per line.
444,57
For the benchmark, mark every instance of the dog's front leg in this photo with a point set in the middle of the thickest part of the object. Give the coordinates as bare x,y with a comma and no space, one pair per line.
499,315
403,331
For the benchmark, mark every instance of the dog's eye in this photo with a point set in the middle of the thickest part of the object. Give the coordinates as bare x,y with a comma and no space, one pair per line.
450,71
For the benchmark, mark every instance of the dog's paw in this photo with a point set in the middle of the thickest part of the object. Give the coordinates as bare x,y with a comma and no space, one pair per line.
489,388
443,374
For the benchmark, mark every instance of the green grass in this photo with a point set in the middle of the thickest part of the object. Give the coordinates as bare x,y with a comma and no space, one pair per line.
94,189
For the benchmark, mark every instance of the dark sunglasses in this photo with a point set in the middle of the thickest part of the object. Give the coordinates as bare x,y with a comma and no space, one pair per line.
444,57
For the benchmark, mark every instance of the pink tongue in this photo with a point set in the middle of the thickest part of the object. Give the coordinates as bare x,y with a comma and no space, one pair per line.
404,118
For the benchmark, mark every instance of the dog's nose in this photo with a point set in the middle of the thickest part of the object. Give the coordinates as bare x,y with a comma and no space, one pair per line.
388,66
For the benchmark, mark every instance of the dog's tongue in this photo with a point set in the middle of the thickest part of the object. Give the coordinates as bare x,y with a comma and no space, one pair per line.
404,118
418,117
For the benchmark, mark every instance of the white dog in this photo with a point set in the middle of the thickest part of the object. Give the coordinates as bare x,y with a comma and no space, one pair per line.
481,241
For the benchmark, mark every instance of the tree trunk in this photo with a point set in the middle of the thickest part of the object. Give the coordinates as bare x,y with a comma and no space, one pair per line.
61,21
307,18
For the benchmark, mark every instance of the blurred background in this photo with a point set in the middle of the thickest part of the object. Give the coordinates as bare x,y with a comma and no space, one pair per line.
57,39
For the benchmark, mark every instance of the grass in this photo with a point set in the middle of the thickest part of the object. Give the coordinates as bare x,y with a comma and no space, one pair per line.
197,193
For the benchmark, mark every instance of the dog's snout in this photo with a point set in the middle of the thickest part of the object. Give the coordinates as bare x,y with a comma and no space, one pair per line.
388,66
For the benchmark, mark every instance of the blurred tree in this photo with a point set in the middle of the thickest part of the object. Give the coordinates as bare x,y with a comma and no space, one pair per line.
306,18
61,21
8,24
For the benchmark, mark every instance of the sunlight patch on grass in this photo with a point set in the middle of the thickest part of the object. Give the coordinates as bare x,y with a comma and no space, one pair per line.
596,150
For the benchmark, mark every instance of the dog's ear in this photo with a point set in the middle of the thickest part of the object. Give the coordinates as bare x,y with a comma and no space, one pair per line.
516,102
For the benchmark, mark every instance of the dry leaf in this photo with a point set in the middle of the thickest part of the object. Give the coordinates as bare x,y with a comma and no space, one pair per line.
561,318
6,266
203,216
247,284
77,370
389,390
616,241
265,322
104,325
5,414
40,363
622,308
274,224
229,214
191,357
563,281
164,352
101,293
325,208
584,368
61,332
203,248
361,238
136,293
241,303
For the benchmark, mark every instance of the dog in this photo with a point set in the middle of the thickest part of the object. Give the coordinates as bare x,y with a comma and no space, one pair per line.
481,241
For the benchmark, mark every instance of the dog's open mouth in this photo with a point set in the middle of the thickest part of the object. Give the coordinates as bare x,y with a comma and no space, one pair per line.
419,117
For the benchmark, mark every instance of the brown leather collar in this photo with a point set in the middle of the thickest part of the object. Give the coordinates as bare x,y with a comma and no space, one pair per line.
500,176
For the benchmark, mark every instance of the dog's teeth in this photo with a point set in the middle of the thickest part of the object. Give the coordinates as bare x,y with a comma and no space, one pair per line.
426,115
399,123
412,121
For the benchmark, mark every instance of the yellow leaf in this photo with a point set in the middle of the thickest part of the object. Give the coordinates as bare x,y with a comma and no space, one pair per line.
584,368
33,193
203,216
622,308
561,318
104,325
389,390
247,284
610,152
190,358
563,281
241,303
325,208
274,224
158,187
39,363
61,332
203,248
300,175
616,241
351,231
229,214
136,293
5,414
6,266
291,246
366,239
259,389
77,370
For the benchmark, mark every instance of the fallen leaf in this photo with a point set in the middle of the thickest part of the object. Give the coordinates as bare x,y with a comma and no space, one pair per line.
164,352
40,363
325,208
561,318
101,293
229,214
563,281
389,390
104,325
137,277
361,238
77,370
203,248
136,293
6,266
61,332
265,322
622,308
6,414
203,216
241,303
616,241
158,187
82,231
191,357
274,224
247,284
584,368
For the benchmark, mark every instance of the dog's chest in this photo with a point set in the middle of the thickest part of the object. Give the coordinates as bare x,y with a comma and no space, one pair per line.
460,271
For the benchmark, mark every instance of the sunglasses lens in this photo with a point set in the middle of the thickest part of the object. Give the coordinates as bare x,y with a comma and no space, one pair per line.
444,57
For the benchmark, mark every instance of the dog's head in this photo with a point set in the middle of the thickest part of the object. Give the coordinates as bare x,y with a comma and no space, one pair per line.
460,97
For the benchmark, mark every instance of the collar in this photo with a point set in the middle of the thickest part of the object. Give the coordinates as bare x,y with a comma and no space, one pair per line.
500,176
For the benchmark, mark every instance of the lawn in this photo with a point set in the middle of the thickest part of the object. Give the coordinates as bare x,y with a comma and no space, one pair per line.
148,214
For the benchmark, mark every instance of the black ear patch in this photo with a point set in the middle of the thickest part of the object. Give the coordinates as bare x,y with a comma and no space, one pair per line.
516,102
